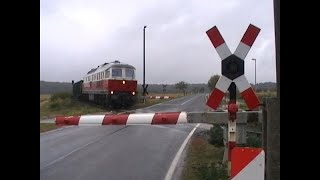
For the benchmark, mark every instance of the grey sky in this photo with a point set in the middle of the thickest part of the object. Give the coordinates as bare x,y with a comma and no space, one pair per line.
77,35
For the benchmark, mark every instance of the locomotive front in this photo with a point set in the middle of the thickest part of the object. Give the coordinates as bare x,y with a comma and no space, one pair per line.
111,84
122,86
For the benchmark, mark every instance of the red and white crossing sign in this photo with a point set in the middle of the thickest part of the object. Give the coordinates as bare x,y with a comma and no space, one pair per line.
247,163
232,66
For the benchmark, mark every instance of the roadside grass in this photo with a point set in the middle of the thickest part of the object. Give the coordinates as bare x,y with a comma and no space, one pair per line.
204,158
47,127
150,102
44,97
62,104
204,161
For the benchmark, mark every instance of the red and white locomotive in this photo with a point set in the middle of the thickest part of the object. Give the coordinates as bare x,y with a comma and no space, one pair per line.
110,84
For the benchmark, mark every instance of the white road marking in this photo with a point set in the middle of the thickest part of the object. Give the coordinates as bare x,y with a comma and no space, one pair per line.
177,157
79,148
188,100
162,103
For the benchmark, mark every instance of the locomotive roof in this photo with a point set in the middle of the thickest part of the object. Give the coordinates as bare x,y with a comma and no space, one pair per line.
105,66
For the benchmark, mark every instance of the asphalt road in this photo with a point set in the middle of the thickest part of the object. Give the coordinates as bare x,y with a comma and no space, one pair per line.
193,103
116,152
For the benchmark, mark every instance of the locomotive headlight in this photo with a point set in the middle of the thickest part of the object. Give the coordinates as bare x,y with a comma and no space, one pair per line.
111,92
133,93
123,82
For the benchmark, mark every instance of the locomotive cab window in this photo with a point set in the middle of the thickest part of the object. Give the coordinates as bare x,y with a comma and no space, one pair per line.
107,74
116,72
130,73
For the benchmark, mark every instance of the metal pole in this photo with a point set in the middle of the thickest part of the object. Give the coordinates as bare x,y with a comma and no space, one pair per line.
144,68
255,72
276,9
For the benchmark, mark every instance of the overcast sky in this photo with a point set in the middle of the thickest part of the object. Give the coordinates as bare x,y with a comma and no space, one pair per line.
77,35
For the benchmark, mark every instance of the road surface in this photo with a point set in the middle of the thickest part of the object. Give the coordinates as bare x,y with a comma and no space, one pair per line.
116,152
193,103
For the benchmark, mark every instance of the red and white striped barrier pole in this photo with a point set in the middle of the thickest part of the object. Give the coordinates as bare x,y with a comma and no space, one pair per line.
165,118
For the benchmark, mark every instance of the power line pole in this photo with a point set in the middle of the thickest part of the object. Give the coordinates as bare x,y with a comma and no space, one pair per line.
144,67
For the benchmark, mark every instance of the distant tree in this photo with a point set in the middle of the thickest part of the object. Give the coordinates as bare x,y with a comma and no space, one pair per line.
195,90
202,90
258,90
273,89
213,81
182,86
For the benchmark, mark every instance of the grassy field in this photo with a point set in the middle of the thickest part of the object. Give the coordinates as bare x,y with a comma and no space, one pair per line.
44,98
262,95
204,161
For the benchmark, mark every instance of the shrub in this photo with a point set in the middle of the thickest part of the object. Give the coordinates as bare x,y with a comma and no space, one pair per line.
55,106
216,136
215,170
62,95
253,118
253,141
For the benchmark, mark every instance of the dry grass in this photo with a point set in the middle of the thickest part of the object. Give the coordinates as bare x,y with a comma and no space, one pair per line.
65,107
203,161
262,95
44,97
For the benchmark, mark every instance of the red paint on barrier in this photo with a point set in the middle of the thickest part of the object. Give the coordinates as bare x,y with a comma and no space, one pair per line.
67,120
165,118
119,119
